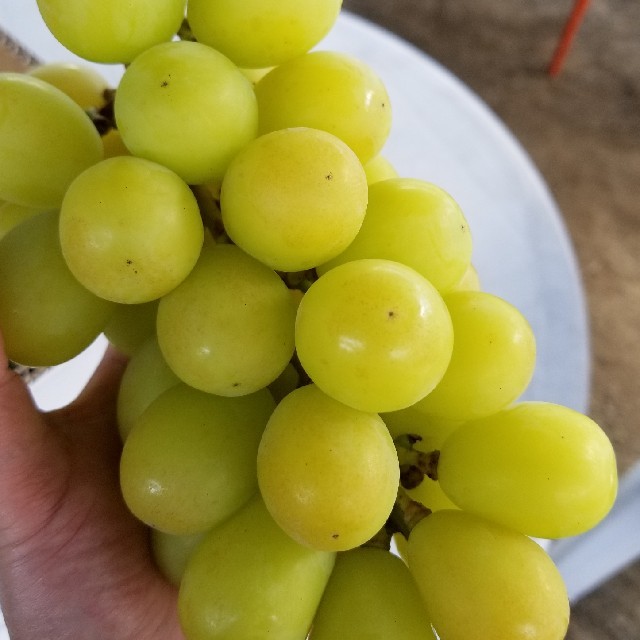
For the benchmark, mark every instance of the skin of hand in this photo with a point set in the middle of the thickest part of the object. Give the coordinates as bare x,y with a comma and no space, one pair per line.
74,563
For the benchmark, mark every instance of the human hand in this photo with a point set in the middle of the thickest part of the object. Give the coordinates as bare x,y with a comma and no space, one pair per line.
73,562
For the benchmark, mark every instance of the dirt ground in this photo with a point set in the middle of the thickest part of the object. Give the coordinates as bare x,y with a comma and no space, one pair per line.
582,129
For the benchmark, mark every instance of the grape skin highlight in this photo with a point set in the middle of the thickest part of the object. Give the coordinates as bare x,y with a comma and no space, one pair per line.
46,140
374,334
294,198
164,106
130,229
328,473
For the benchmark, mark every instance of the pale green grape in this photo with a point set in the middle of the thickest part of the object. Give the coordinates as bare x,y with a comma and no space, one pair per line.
248,579
328,473
82,83
481,580
172,553
46,140
12,215
294,198
114,31
130,325
46,316
190,460
415,223
228,328
285,383
262,33
493,358
540,468
146,377
374,334
371,596
130,229
329,91
188,107
379,168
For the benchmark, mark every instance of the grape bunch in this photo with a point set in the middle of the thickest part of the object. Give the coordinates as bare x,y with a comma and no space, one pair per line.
315,371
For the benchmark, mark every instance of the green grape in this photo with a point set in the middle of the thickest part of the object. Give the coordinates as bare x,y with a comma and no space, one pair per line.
46,316
374,334
329,91
190,460
130,325
262,33
228,328
415,223
371,596
248,579
540,468
146,376
294,198
379,168
130,229
481,580
493,358
46,140
11,215
82,83
328,473
188,107
172,553
114,31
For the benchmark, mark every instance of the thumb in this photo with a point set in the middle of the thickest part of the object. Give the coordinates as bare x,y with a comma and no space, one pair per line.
33,463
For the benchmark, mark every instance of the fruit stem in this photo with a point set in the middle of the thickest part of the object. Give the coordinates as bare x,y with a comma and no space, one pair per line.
415,464
406,514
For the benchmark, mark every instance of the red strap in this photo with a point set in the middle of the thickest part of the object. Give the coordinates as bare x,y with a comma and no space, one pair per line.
570,29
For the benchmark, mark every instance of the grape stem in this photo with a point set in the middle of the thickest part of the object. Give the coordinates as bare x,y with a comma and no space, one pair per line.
406,514
415,464
103,118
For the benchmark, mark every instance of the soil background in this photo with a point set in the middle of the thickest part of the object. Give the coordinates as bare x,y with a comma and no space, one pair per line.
582,130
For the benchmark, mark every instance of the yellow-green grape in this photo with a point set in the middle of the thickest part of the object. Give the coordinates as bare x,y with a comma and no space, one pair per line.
329,91
113,144
371,596
294,198
255,75
146,377
46,140
188,107
229,327
130,325
432,432
493,359
328,473
416,223
172,553
114,31
130,229
11,215
46,316
481,580
82,83
379,168
262,33
248,579
540,468
190,460
470,281
374,334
